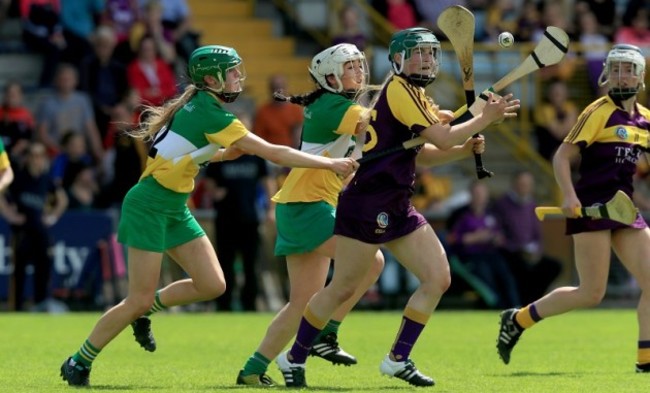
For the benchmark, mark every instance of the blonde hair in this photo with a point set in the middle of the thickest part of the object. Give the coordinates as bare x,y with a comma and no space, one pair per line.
154,118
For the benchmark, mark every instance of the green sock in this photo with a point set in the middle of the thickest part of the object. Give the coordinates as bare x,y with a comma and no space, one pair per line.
86,354
256,364
157,306
331,327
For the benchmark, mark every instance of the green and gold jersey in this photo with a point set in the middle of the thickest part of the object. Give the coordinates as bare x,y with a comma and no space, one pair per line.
193,136
330,123
4,158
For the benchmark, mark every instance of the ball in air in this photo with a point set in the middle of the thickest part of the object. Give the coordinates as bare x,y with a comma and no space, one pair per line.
506,39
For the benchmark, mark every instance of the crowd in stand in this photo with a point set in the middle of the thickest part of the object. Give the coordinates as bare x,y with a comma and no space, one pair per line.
104,59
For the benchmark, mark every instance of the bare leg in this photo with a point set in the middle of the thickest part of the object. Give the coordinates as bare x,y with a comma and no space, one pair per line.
592,256
307,274
423,255
633,249
144,271
198,259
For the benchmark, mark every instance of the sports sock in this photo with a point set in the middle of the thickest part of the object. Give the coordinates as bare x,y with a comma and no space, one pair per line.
413,323
310,326
86,354
331,327
256,364
157,305
527,316
643,355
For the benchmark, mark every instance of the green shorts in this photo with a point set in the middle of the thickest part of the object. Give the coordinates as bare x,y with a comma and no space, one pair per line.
302,227
155,218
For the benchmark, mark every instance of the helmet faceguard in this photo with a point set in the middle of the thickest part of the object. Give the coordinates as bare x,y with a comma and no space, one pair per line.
618,55
332,61
217,61
406,43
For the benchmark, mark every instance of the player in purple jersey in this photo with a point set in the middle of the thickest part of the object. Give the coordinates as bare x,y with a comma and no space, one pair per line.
375,209
609,138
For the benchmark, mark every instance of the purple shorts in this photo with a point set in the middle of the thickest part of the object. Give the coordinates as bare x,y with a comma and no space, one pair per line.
585,224
378,218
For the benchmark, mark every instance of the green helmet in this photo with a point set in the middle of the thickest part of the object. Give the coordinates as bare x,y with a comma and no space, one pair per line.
404,41
214,60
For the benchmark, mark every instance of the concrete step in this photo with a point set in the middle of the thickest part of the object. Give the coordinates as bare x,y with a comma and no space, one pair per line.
22,67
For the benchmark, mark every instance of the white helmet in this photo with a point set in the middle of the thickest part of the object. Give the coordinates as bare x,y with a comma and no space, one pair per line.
623,53
331,62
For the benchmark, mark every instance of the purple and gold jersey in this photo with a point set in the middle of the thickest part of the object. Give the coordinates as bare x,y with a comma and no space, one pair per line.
376,206
192,138
611,142
4,158
330,123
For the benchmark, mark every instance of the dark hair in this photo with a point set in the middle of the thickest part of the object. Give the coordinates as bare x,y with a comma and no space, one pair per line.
302,99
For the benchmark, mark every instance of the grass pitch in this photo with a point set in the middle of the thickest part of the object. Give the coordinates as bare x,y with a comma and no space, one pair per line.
584,351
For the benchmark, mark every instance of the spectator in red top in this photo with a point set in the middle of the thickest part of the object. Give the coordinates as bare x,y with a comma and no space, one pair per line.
16,122
402,14
151,76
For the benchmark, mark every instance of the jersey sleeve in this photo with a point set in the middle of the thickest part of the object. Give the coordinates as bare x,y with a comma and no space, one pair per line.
590,122
410,106
224,128
4,158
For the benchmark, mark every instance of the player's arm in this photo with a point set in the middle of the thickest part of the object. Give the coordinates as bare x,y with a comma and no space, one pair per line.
431,155
445,136
6,177
565,155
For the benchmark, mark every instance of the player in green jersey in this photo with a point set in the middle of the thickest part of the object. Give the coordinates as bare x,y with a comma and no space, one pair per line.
187,132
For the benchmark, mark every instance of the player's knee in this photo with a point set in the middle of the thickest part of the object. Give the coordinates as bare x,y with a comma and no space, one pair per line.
437,285
139,305
210,289
592,297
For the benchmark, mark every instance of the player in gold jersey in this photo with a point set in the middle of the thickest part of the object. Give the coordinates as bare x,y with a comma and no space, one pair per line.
610,136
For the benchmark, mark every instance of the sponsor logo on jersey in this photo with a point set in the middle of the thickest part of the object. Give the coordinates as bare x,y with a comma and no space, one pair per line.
621,133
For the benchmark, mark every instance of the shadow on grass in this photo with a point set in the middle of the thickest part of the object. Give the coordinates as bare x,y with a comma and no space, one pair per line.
317,388
540,374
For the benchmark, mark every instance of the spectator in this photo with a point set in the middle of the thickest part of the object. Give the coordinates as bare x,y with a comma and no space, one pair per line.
279,122
103,78
636,27
605,13
431,10
126,156
151,25
235,187
30,195
554,13
502,15
16,122
554,118
78,20
176,19
515,212
349,28
150,75
595,46
478,238
83,189
402,14
529,21
43,33
73,153
67,109
122,15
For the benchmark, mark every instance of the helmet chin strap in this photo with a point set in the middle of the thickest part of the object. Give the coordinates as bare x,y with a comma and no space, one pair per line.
623,94
225,97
